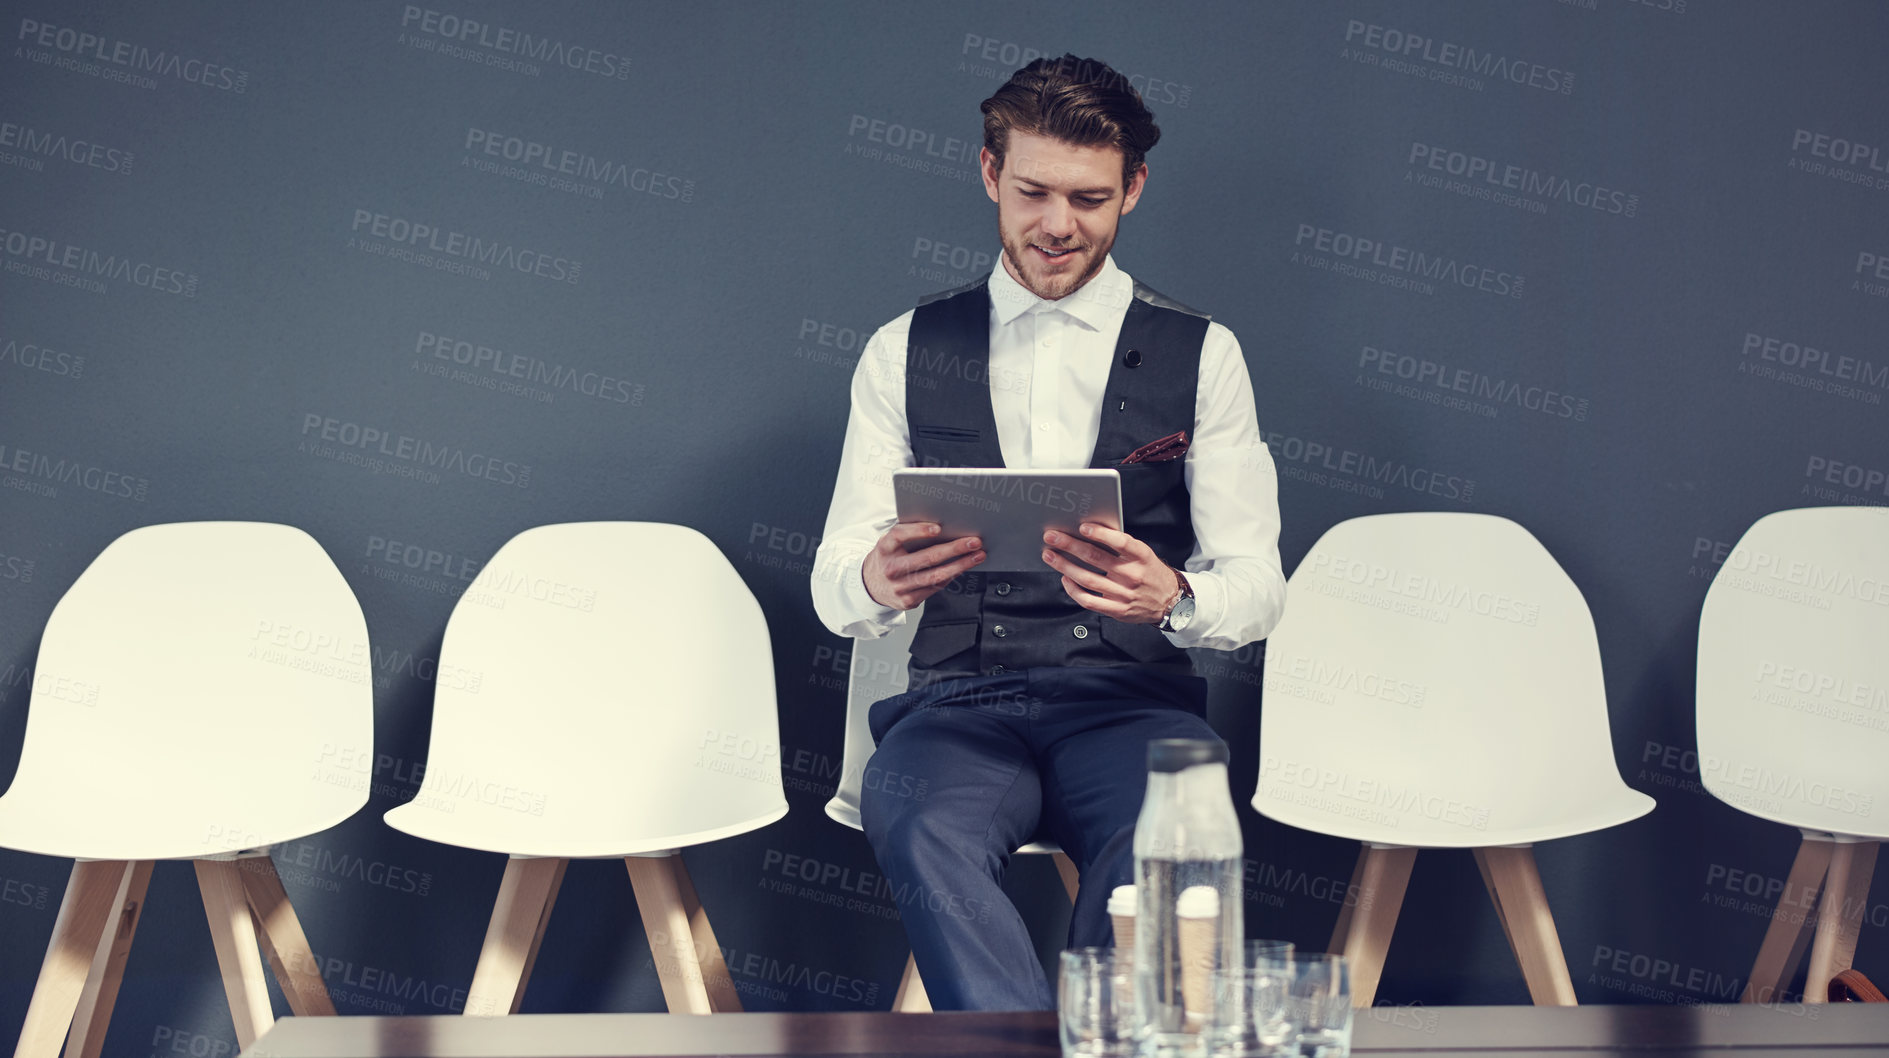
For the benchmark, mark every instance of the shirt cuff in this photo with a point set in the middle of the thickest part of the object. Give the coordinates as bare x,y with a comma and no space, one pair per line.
859,601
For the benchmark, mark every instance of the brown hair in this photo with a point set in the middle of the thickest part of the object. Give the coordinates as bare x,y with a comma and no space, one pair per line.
1080,101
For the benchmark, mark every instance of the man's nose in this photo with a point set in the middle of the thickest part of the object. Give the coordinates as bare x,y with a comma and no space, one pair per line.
1059,220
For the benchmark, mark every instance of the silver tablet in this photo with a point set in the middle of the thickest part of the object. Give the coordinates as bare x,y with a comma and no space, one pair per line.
1008,509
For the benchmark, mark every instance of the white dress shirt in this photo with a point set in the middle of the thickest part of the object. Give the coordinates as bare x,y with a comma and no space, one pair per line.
1049,362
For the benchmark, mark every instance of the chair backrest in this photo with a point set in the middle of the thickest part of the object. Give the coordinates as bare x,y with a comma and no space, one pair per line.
880,668
606,688
1793,688
1436,681
192,690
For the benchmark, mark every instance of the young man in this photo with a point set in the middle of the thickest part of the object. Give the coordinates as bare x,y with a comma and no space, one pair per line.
1034,695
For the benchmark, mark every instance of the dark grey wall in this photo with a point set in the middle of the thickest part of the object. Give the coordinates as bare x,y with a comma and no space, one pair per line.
1625,330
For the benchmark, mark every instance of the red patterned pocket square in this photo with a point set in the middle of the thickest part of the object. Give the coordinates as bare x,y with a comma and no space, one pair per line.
1173,446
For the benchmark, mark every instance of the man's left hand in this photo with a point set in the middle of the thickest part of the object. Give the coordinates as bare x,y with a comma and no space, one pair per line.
1132,585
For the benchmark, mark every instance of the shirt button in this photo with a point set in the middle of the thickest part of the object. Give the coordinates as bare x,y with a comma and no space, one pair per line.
1000,631
1004,588
1082,631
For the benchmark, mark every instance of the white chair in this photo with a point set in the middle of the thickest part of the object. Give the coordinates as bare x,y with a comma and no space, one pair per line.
1436,683
188,689
1793,716
879,670
600,671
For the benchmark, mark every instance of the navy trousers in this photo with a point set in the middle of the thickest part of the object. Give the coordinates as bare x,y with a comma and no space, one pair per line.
969,770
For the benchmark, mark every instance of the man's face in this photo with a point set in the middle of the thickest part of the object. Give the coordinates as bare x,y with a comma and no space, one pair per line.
1058,206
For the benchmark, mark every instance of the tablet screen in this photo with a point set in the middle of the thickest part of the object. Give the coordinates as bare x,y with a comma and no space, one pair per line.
1008,509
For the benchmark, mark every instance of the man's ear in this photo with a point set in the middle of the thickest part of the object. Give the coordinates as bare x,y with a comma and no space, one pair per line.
1135,185
992,167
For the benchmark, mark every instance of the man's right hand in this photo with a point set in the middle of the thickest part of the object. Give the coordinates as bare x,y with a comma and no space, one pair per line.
902,579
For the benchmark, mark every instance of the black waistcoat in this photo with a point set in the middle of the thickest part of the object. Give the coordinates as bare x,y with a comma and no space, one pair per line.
990,623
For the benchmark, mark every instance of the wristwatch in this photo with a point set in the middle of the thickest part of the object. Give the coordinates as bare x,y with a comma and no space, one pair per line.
1182,611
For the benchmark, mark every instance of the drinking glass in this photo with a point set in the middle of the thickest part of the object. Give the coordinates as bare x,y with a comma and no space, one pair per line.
1252,1013
1096,1004
1266,952
1320,1002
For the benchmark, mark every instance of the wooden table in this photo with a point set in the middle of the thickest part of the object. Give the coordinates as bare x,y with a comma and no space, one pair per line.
1839,1031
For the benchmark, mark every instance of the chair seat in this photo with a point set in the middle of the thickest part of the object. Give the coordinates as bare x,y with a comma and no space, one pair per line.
1857,829
878,670
179,825
522,834
848,814
1446,826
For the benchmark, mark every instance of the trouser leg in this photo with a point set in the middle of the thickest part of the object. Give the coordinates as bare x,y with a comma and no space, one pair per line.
1092,740
948,795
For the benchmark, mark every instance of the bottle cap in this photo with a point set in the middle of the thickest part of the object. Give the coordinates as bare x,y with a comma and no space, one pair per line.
1178,754
1121,902
1198,901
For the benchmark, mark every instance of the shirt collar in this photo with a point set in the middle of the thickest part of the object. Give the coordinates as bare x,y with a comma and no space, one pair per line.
1103,297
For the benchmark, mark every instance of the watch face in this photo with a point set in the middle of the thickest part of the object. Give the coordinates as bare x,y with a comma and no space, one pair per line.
1182,613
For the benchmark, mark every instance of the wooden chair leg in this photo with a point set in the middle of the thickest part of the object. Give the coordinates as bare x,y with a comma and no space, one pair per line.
722,997
1788,935
671,941
1066,867
76,934
283,942
526,895
911,997
1342,929
1840,915
233,932
1522,904
1495,898
108,963
1383,874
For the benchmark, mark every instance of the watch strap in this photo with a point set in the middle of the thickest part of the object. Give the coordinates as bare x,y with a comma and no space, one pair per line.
1186,592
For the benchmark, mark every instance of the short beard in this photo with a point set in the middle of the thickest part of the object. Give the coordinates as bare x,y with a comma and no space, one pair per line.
1018,273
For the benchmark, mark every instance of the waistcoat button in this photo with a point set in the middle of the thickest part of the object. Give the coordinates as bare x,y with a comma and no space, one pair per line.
1082,631
1004,588
1000,631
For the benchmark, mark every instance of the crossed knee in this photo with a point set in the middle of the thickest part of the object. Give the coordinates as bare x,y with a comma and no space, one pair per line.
912,839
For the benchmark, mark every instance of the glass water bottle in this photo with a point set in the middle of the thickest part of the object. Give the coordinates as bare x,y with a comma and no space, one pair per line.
1187,874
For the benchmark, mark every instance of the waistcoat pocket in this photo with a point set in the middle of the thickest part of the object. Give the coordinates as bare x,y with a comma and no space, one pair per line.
936,641
948,434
